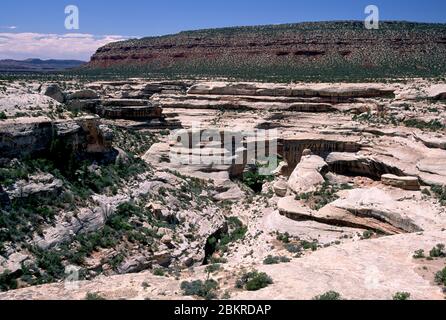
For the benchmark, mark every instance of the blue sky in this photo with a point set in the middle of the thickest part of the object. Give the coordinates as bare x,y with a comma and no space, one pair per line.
136,18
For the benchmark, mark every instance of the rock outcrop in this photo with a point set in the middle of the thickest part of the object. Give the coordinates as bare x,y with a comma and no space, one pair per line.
83,94
39,185
53,91
294,210
406,183
332,93
40,136
308,175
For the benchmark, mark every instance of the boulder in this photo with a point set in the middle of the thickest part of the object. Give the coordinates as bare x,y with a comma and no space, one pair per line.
234,193
83,94
308,174
134,264
406,183
53,91
280,188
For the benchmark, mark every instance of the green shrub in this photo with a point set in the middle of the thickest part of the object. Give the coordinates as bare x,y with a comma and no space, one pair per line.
330,295
218,260
284,237
94,296
51,262
275,260
440,277
433,125
293,248
438,251
212,268
7,281
206,289
326,194
367,234
440,193
254,180
3,116
419,254
306,245
159,272
401,296
253,281
236,231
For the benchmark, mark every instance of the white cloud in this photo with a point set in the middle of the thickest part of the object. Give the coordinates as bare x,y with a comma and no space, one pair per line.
52,46
9,27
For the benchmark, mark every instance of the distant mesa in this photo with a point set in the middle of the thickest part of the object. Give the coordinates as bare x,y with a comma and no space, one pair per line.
312,49
38,65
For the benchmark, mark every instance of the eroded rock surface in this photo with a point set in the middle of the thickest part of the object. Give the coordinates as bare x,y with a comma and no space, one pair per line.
359,187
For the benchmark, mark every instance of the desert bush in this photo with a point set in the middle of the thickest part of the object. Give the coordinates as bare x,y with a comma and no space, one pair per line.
367,234
284,237
440,193
293,248
419,254
212,268
159,272
275,259
253,281
438,251
206,289
236,231
324,195
7,281
254,180
440,277
94,296
433,125
401,296
306,245
330,295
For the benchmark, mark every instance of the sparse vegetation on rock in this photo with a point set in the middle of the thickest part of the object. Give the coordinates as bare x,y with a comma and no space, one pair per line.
205,289
330,295
275,259
326,194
